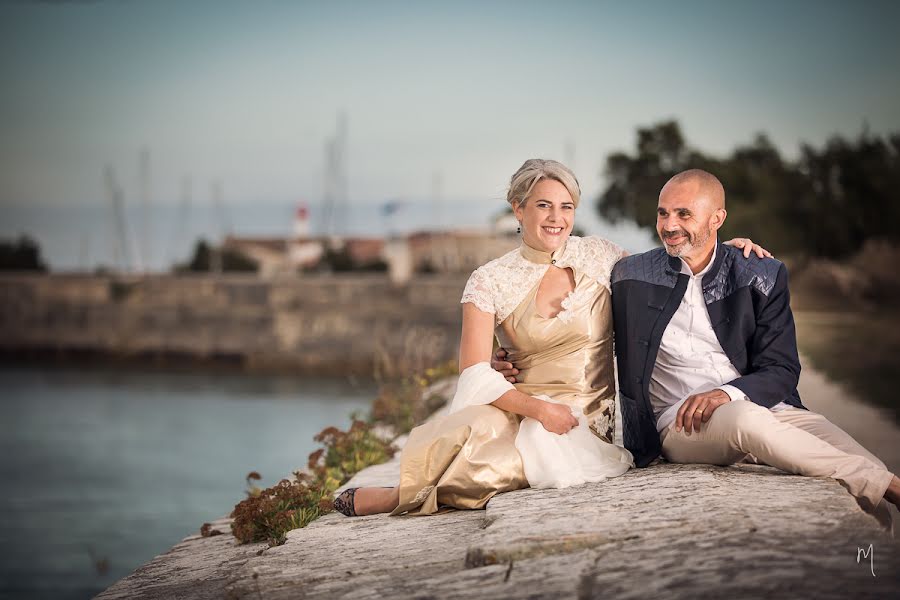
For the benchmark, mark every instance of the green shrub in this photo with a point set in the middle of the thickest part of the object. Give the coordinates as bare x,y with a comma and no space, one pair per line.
287,505
267,515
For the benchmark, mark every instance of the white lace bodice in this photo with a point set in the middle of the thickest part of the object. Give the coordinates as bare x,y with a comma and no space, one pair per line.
500,285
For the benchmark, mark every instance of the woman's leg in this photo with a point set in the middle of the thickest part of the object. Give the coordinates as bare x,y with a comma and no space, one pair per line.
458,461
375,500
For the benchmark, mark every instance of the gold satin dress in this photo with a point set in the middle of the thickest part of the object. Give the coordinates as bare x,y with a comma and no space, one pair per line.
462,460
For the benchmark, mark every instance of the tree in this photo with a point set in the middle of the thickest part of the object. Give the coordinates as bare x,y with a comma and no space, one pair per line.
827,204
852,193
634,182
23,254
202,260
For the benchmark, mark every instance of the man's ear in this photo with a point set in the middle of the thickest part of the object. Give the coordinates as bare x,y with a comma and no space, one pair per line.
718,218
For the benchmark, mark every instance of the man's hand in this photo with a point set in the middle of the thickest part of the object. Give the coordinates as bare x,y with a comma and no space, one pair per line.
557,418
499,363
748,246
698,409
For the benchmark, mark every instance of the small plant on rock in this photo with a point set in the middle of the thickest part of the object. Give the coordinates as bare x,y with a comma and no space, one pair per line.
404,404
268,514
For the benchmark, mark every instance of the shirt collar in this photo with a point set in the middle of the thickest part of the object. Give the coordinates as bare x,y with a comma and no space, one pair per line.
539,256
712,259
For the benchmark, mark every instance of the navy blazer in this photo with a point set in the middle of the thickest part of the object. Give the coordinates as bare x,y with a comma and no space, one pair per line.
749,309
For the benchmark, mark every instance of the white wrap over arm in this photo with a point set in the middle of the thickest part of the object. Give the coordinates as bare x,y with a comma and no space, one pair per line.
478,384
549,460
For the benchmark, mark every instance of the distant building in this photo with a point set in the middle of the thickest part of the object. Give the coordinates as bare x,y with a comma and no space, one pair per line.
275,256
271,255
363,251
420,252
456,251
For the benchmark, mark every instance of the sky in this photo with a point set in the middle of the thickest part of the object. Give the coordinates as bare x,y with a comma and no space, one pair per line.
441,99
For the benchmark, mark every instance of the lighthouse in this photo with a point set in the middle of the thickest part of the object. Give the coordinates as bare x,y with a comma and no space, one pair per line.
301,222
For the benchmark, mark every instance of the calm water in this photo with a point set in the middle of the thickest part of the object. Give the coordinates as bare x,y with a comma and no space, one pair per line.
121,465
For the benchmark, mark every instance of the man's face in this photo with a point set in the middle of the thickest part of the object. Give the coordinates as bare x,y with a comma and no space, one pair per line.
684,220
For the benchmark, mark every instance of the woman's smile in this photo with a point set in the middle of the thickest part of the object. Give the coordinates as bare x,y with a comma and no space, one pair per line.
547,215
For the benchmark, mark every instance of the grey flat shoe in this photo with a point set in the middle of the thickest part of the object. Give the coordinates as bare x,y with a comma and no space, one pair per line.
344,503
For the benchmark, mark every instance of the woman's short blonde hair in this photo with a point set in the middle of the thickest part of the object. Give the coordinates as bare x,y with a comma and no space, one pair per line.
535,169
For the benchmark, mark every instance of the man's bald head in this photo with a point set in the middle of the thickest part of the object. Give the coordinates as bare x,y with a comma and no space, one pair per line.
691,209
702,183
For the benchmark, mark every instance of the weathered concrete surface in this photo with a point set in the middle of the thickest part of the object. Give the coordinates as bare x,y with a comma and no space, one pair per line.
675,531
667,531
198,567
670,530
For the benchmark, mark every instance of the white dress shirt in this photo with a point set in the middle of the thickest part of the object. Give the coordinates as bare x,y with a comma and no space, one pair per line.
690,359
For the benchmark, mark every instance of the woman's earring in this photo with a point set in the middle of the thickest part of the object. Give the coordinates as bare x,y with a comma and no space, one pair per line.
519,229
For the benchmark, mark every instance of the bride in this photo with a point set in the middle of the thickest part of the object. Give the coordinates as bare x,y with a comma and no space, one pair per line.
548,304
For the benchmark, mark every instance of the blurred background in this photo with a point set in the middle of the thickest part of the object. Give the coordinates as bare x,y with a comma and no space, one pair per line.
224,225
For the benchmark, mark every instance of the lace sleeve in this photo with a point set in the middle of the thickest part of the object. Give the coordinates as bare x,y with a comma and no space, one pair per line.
600,257
613,249
479,292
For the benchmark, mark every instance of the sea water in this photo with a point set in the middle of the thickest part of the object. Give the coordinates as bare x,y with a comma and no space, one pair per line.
111,466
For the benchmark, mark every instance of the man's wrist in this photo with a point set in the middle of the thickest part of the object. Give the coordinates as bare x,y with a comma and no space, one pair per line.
732,392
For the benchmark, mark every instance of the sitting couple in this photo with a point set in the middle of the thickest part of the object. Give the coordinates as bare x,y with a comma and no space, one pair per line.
707,362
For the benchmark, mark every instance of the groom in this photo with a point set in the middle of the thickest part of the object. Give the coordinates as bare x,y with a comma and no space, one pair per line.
707,356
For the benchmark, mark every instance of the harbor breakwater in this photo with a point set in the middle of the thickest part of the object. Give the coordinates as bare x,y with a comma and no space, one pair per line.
360,324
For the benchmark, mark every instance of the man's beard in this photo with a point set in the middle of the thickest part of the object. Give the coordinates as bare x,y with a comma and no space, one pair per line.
692,241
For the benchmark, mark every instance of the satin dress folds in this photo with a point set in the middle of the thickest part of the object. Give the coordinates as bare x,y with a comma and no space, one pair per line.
476,451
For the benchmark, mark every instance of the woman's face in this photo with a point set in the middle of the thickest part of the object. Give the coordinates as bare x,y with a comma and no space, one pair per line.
547,216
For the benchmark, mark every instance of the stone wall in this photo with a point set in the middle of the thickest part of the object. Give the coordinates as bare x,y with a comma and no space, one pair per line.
312,324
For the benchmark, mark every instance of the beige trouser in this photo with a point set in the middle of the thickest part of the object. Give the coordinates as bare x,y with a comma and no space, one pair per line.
794,440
